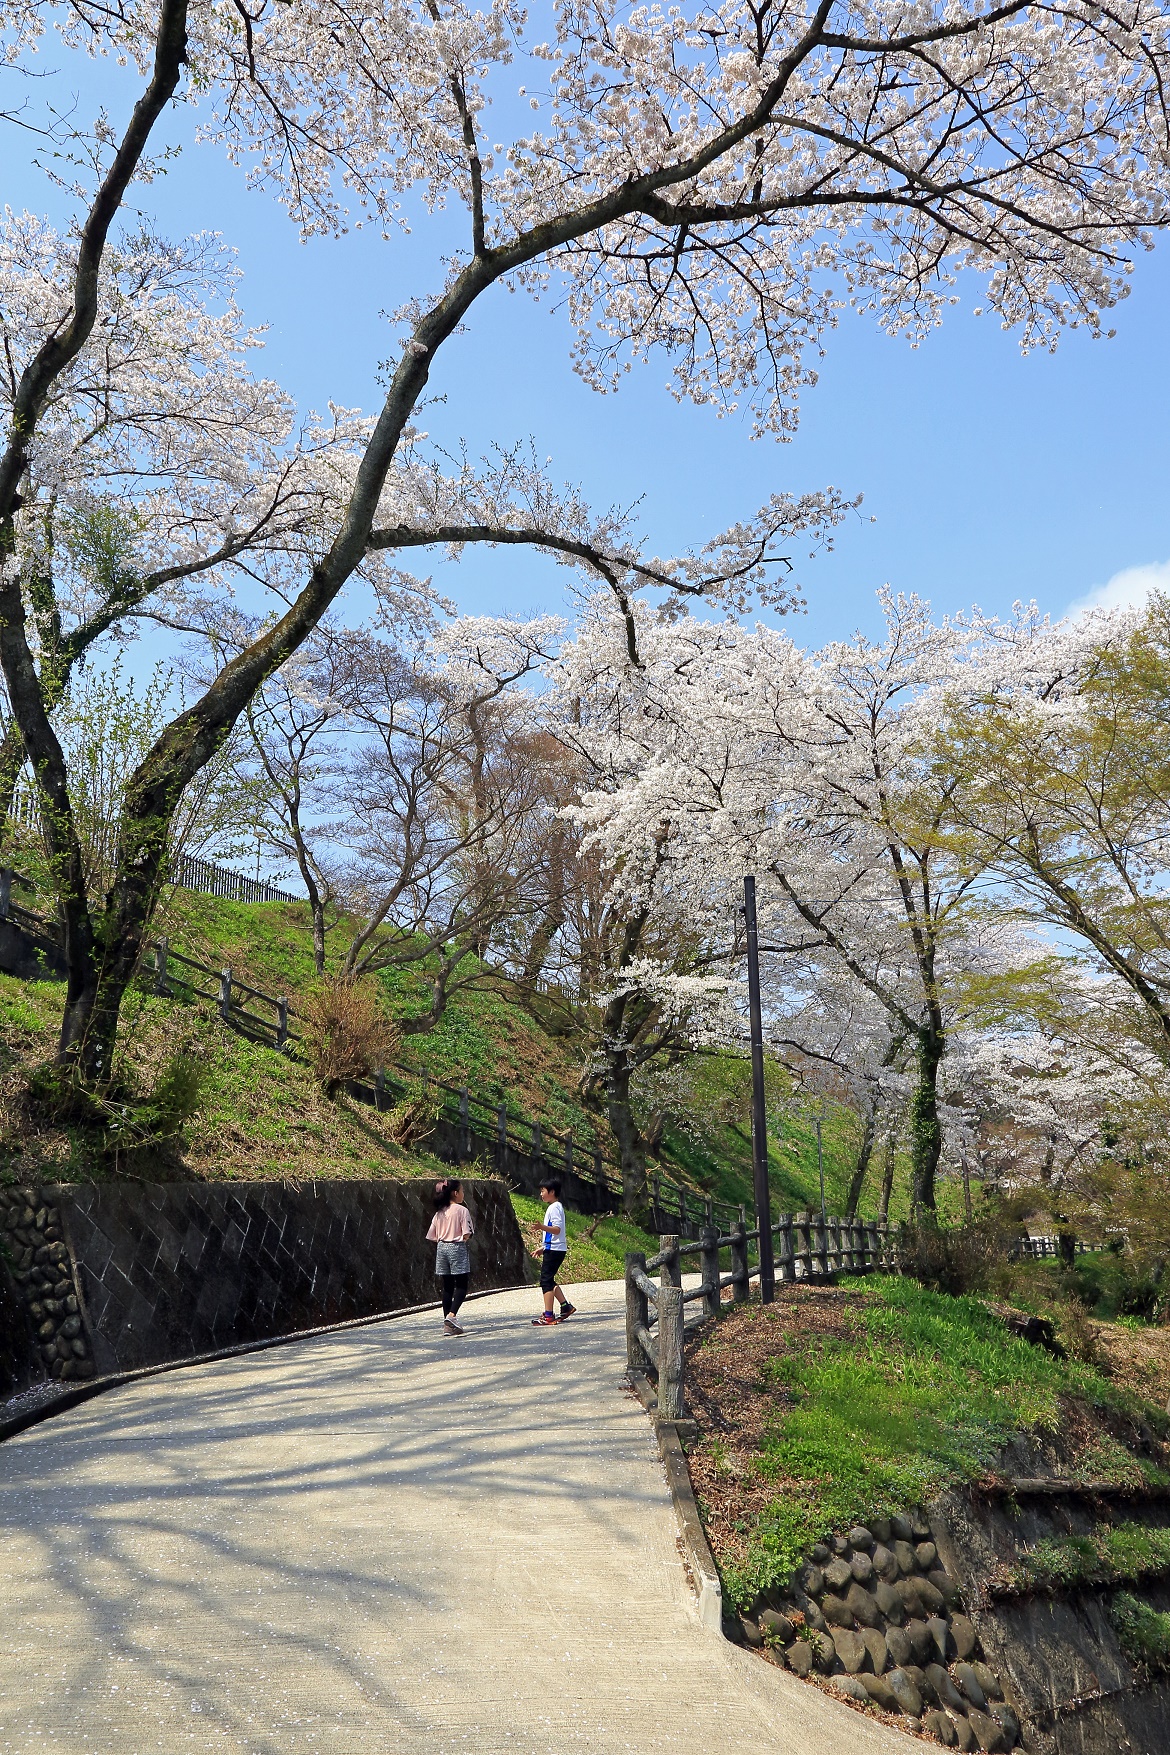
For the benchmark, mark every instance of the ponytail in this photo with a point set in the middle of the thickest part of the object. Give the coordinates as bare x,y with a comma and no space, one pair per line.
444,1191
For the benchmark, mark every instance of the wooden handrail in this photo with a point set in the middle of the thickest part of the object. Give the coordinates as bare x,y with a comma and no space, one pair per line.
227,991
849,1245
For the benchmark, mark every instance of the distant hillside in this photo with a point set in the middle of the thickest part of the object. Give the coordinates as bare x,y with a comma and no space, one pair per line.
259,1113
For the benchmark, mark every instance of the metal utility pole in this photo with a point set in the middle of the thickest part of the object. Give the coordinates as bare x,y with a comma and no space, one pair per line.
759,1117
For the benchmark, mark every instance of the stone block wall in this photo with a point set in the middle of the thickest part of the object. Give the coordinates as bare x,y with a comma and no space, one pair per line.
112,1276
42,1332
1058,1647
912,1615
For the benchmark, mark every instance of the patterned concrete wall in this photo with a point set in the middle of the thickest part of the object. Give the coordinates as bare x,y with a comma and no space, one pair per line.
166,1270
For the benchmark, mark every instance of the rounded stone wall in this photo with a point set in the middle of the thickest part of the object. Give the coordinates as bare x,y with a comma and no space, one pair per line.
41,1270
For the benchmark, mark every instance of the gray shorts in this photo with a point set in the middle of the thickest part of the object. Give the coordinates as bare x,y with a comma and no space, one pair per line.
451,1258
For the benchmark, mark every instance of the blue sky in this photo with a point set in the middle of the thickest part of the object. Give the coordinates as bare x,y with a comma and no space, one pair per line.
989,477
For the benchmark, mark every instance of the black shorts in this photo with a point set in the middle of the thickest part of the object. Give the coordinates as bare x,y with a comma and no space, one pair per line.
550,1267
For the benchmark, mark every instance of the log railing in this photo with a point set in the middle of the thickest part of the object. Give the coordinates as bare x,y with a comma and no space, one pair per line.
467,1125
809,1247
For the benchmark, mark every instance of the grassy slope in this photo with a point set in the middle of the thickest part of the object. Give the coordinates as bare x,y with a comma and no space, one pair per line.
260,1114
816,1414
502,1054
493,1047
719,1159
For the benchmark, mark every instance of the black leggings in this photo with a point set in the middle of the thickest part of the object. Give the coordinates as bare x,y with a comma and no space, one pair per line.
454,1292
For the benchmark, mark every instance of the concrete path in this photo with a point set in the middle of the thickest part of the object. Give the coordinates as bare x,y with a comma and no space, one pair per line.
381,1540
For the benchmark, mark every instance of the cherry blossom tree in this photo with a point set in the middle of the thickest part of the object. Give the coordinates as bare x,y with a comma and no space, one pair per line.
734,750
710,182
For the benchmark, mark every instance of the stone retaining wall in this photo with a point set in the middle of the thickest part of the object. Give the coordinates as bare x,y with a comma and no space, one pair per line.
105,1277
879,1617
42,1331
1058,1649
902,1615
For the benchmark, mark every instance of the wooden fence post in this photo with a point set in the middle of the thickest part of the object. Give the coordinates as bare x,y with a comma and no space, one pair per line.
598,1172
670,1270
785,1256
637,1316
802,1248
501,1138
537,1146
5,891
569,1153
161,951
740,1285
670,1352
709,1257
282,1025
379,1087
464,1124
225,995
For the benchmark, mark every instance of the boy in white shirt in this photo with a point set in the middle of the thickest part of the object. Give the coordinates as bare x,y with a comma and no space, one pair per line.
556,1245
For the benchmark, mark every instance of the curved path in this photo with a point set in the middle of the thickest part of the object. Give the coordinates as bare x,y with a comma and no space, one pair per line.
377,1540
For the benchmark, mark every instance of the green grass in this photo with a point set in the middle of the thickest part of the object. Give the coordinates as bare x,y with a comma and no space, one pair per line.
1120,1555
484,1041
1144,1632
258,1113
500,1052
713,1148
927,1392
600,1257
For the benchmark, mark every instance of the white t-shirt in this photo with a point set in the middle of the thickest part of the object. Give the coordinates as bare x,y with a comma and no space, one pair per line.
555,1215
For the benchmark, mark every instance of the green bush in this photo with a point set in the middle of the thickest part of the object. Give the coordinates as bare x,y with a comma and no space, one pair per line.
1123,1554
1144,1632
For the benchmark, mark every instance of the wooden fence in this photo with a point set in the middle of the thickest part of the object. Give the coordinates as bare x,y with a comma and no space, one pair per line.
1052,1248
468,1126
190,872
809,1248
464,1126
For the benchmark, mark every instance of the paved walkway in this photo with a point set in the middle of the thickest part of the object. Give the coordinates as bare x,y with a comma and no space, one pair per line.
381,1540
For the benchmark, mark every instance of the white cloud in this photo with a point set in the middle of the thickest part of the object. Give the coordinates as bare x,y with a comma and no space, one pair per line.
1129,588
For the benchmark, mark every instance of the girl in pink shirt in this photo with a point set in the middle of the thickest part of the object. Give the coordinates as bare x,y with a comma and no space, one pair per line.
450,1229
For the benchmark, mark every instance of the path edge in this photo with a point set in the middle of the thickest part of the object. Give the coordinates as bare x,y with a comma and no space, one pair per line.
678,1479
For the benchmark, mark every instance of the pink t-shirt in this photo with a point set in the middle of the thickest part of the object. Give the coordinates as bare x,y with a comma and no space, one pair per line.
450,1225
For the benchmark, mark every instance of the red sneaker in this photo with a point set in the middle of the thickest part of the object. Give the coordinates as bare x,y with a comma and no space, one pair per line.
544,1320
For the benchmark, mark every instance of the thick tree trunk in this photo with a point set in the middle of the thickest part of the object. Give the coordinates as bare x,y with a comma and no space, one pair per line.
925,1126
864,1155
48,764
627,1133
